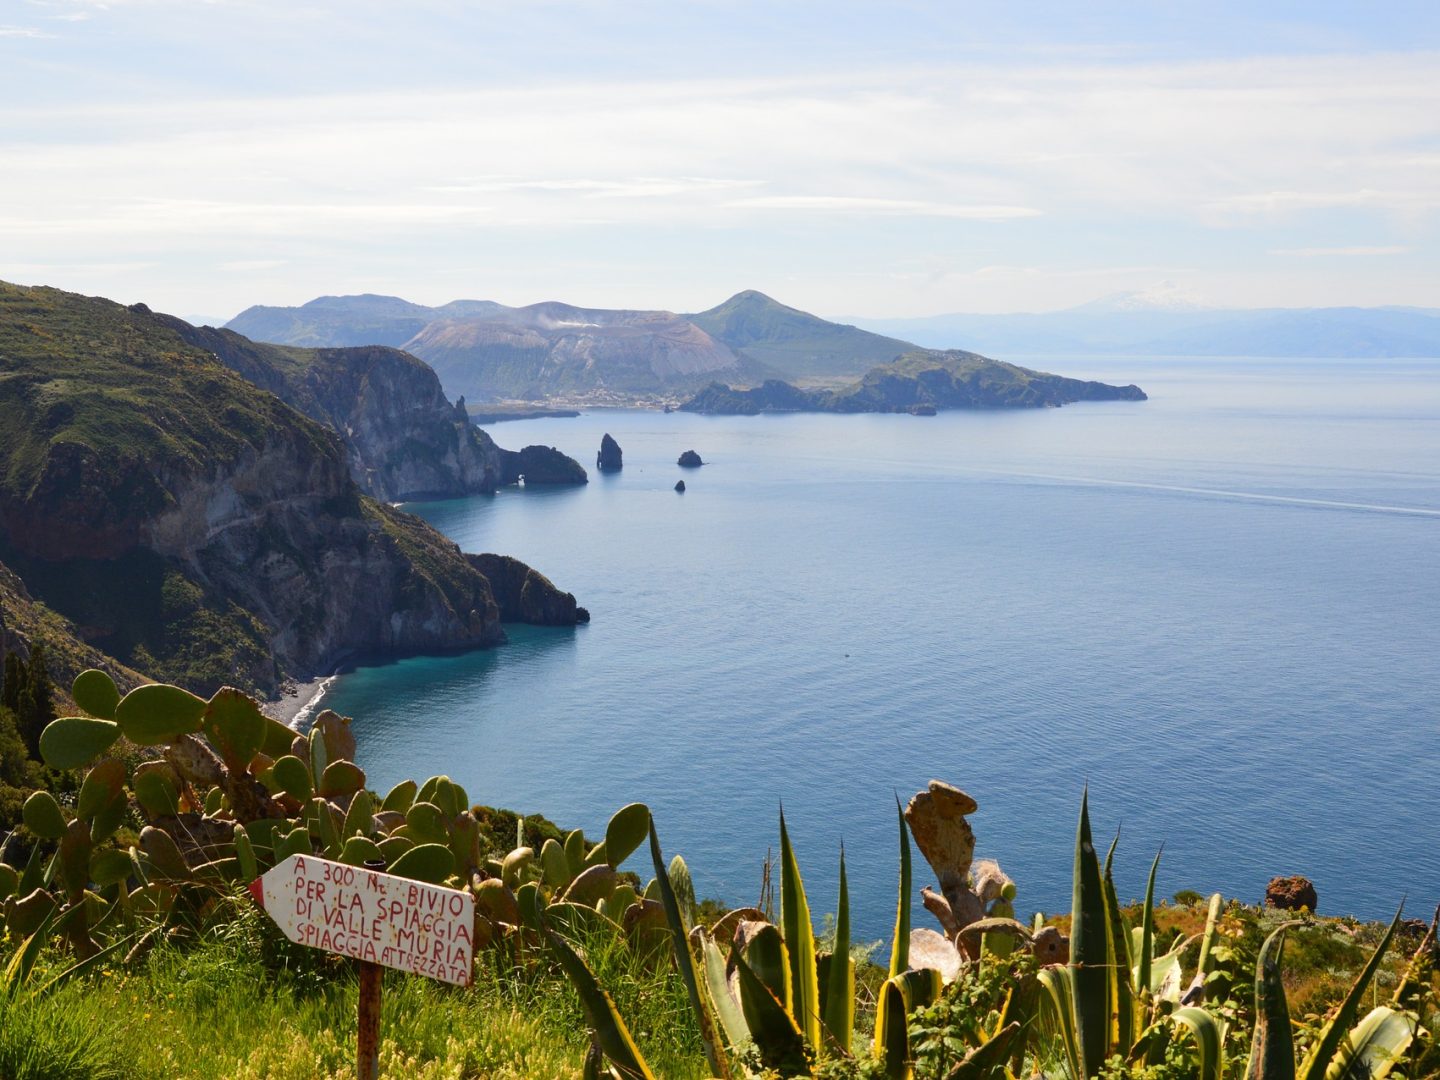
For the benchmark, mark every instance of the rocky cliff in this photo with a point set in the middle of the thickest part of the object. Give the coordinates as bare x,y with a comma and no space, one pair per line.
525,595
403,438
193,528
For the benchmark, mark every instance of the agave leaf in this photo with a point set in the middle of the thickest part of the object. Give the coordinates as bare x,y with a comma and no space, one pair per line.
1091,957
1209,1034
1196,992
1168,970
987,1061
1058,1008
684,959
732,1019
1374,1046
1141,984
840,986
892,1034
769,959
600,1012
780,1041
799,934
900,945
1122,1003
1317,1063
1416,980
1272,1046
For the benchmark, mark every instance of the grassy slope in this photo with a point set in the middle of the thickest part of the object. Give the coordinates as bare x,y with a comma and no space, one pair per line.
795,343
88,371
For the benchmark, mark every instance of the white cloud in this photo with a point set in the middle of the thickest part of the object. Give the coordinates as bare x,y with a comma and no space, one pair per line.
846,204
984,167
23,32
1323,252
245,266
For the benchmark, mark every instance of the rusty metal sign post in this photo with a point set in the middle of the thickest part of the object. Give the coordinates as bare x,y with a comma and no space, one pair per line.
378,919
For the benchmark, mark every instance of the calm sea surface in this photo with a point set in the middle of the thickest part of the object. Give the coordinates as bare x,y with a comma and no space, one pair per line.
1220,607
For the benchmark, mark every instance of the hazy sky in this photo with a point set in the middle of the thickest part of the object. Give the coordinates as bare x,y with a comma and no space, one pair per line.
848,158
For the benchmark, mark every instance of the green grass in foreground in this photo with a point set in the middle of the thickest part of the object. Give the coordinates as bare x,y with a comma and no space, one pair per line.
244,1004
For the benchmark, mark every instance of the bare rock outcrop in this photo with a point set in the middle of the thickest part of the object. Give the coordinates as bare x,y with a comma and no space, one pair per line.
525,595
1294,893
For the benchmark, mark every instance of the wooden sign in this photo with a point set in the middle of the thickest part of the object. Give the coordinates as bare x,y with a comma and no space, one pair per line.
375,917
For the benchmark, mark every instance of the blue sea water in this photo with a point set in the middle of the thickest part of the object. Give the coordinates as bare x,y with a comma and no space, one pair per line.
1219,608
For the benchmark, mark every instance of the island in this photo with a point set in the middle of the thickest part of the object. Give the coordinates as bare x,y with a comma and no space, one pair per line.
918,382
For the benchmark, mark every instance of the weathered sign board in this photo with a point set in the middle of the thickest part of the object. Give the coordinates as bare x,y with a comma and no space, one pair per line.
375,917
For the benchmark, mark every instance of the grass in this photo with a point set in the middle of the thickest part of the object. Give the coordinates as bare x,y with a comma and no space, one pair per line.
242,1003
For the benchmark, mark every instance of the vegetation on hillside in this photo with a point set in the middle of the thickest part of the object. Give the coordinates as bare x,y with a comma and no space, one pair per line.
920,380
193,526
793,342
125,903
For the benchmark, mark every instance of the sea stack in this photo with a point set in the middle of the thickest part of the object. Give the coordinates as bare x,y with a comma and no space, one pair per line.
690,460
680,486
609,457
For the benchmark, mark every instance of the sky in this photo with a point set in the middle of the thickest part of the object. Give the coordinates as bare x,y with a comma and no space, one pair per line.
869,159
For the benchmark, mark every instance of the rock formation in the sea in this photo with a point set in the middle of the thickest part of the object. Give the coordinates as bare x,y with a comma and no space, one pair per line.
1291,894
609,459
680,486
196,529
918,382
404,440
690,460
540,465
525,595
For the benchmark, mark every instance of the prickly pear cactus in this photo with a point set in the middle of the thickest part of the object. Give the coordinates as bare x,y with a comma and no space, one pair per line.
969,890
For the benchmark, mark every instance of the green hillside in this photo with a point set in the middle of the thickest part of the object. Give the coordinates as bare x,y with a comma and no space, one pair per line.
193,526
792,342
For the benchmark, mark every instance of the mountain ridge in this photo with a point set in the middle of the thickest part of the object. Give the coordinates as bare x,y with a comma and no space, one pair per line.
487,351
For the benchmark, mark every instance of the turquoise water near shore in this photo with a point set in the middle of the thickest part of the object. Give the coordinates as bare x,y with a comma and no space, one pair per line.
1220,607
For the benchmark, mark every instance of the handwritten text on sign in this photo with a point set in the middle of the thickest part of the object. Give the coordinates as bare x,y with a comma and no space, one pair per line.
404,924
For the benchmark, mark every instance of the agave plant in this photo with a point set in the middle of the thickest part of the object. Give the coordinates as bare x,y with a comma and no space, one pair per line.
776,997
1101,1005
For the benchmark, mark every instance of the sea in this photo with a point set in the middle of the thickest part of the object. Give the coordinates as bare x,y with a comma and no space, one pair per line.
1218,610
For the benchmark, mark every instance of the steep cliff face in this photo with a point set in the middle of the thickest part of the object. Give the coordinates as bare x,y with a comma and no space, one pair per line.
403,439
193,528
525,595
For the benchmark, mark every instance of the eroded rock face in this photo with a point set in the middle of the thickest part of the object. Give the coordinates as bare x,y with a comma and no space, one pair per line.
1291,894
403,438
525,595
610,457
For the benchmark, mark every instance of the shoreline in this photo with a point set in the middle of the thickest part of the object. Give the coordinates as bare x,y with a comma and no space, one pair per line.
299,701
